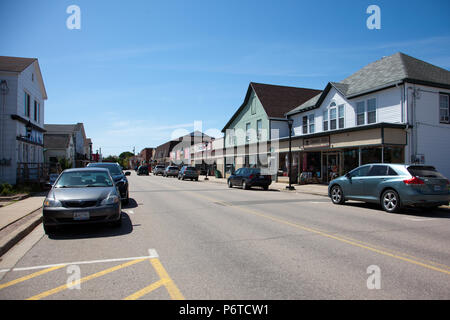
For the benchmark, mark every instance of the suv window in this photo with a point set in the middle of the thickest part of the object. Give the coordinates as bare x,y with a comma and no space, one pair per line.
360,172
391,172
424,172
378,170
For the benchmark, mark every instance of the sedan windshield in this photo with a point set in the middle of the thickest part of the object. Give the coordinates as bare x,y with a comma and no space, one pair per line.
83,179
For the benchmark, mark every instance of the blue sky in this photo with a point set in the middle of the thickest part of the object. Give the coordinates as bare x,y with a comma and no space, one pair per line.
138,72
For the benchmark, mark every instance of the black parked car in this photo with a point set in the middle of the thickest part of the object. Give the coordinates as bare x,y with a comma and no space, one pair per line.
142,170
249,177
188,173
118,176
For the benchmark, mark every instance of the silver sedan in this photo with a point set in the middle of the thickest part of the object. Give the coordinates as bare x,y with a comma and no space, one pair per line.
80,196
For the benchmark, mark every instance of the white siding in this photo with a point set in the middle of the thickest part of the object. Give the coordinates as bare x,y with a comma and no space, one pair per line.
433,137
388,109
281,126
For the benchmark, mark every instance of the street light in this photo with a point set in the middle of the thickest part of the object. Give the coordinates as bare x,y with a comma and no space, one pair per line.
290,123
206,151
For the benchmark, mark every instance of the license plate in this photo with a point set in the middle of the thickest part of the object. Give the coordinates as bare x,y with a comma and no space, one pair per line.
437,188
81,215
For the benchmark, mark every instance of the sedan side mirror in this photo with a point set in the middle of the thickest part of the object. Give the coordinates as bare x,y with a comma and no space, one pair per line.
128,173
348,176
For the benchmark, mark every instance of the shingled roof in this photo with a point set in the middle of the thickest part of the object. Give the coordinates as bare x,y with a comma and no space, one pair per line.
56,141
383,73
15,64
276,100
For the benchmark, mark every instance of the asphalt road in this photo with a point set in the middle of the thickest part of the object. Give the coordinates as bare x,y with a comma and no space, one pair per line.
199,240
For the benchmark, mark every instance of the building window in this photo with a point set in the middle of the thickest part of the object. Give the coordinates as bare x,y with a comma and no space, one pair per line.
444,108
231,139
305,125
371,111
311,123
325,120
247,132
27,105
253,106
341,116
360,113
259,128
35,110
333,118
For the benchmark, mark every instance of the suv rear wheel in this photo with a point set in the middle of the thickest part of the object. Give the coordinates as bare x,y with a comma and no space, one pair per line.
390,201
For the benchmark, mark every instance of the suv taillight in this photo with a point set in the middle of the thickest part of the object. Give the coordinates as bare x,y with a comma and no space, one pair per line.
414,180
251,176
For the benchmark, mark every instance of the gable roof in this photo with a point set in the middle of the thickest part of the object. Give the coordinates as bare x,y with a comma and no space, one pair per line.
15,64
60,128
56,141
381,74
276,100
392,69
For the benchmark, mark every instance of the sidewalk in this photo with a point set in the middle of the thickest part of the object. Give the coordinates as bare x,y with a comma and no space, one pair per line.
18,219
316,189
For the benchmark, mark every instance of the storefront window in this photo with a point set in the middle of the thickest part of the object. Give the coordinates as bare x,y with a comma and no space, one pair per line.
351,159
394,155
370,155
311,165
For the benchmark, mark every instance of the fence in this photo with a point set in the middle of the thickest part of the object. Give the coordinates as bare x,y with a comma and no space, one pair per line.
32,172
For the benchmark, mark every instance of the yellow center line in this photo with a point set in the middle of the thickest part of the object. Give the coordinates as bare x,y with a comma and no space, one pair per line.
90,277
400,256
30,276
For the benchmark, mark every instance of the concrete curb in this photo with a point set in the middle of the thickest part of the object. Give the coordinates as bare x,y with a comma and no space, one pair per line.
16,231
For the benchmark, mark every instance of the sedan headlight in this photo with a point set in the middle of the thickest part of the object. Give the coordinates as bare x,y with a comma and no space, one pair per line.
50,203
110,200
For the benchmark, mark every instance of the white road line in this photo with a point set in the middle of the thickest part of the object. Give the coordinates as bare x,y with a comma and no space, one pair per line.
152,254
419,219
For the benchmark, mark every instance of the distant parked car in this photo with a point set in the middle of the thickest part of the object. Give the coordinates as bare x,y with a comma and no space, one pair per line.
188,173
118,176
171,171
83,195
393,186
159,169
249,177
51,180
142,170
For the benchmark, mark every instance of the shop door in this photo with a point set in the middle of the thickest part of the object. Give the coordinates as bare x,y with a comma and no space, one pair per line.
331,166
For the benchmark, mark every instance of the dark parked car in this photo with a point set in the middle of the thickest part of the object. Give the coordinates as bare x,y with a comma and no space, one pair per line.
84,195
188,173
171,171
159,169
51,180
118,176
393,186
249,177
142,170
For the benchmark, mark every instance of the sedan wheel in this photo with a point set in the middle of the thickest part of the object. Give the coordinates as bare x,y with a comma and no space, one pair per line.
337,196
390,201
230,185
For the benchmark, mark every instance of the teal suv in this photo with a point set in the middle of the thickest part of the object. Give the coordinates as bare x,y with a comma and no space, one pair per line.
393,186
